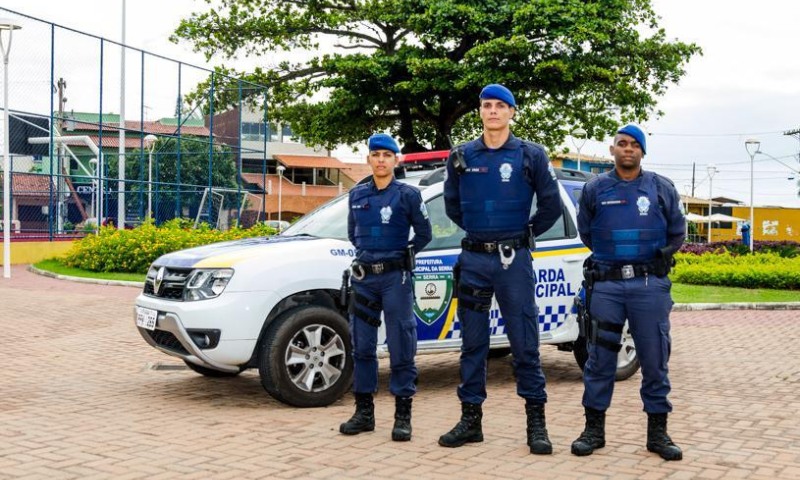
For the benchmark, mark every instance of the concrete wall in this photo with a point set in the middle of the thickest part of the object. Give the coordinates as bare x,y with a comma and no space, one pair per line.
32,252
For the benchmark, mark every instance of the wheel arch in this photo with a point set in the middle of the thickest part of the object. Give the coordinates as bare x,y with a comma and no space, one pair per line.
321,297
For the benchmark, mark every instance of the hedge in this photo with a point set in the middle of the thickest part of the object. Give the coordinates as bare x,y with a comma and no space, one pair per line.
133,251
759,270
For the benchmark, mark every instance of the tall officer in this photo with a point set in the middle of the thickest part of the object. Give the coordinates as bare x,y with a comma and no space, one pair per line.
631,220
382,212
489,190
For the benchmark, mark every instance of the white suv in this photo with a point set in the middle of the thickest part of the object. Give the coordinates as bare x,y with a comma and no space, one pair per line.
275,303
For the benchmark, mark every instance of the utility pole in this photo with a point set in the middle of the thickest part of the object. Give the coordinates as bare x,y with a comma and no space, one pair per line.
693,169
796,134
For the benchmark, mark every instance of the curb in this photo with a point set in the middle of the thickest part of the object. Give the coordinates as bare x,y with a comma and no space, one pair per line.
678,307
94,281
692,307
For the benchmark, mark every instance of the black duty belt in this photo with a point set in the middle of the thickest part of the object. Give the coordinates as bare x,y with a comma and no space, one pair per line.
492,247
625,272
360,270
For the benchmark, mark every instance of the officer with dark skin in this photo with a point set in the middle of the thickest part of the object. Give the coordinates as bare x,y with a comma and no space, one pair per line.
382,212
632,222
489,190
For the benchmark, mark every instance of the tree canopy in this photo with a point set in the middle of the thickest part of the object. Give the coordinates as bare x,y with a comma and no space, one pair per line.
415,67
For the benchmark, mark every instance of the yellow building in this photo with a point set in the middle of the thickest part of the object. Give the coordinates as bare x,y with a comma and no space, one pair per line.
771,223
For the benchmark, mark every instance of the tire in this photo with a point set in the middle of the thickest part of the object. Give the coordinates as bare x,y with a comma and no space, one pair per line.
499,352
210,372
627,360
305,357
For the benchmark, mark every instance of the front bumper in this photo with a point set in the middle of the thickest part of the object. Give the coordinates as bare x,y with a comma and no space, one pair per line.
237,316
171,338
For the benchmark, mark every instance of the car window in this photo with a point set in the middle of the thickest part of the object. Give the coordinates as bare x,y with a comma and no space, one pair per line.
563,228
446,234
327,221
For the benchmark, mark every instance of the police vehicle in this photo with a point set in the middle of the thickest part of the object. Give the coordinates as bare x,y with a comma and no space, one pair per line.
276,304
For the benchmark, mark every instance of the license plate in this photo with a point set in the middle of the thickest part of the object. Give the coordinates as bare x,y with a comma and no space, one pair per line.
146,318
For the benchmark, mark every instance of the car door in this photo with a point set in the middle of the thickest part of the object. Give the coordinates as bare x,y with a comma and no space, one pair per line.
557,268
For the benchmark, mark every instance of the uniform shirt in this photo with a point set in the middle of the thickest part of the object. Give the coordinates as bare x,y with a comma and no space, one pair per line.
538,173
668,200
409,202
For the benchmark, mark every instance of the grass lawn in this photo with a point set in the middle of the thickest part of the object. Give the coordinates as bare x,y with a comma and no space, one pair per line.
54,266
681,292
685,293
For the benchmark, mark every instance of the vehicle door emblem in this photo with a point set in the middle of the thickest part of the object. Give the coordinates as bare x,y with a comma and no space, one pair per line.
158,281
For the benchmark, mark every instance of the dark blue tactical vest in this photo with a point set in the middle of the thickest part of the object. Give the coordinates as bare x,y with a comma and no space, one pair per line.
495,196
629,225
381,220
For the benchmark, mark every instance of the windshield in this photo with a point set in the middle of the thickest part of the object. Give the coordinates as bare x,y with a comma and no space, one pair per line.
327,221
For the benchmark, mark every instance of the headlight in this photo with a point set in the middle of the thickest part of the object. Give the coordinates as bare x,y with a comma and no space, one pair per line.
205,284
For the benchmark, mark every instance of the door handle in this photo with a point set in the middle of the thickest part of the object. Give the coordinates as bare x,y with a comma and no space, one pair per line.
573,258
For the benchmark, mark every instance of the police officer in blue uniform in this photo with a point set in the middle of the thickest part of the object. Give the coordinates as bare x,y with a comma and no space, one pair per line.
382,212
491,182
631,220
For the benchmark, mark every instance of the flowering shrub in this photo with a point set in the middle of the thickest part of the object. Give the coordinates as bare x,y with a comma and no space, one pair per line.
784,248
760,270
113,250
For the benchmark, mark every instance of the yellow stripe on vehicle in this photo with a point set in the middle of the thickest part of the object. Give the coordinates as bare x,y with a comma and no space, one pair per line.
566,251
225,260
451,315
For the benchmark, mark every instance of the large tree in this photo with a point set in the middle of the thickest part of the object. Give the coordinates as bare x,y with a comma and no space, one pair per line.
416,67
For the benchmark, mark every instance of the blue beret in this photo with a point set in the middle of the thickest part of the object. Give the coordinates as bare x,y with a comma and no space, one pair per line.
496,91
381,141
637,133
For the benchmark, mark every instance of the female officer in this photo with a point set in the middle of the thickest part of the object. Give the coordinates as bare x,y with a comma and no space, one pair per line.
382,212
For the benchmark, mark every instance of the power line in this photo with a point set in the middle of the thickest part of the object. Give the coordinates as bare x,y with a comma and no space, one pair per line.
743,134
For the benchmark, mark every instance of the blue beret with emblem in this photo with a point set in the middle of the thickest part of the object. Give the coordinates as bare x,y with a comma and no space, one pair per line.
382,141
637,134
495,91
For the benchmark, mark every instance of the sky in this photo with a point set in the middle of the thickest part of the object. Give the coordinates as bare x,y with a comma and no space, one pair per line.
745,85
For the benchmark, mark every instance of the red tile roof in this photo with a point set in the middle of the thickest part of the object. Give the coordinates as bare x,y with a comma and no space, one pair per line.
309,161
30,184
155,128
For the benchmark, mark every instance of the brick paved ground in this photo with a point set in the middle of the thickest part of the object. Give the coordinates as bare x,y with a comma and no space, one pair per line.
79,399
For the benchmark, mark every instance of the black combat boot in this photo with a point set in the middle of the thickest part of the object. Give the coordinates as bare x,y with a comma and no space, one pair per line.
537,430
594,434
657,439
402,419
364,418
468,429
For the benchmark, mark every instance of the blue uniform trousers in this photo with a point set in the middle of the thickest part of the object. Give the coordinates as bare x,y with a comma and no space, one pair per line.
646,303
394,291
514,290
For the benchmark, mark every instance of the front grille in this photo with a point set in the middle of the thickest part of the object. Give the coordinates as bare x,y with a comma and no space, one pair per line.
171,286
167,340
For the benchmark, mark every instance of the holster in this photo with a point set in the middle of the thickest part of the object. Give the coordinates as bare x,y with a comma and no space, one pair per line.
344,291
531,239
663,263
411,259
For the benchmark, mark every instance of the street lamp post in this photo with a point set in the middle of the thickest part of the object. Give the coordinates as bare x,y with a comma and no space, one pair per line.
150,143
752,145
6,24
579,140
281,169
712,169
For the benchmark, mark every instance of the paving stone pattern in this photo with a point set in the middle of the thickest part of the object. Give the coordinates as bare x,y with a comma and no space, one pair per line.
79,398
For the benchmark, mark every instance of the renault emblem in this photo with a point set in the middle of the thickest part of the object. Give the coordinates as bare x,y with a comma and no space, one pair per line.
159,280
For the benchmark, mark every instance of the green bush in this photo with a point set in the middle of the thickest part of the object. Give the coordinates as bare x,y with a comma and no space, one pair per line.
113,250
760,270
